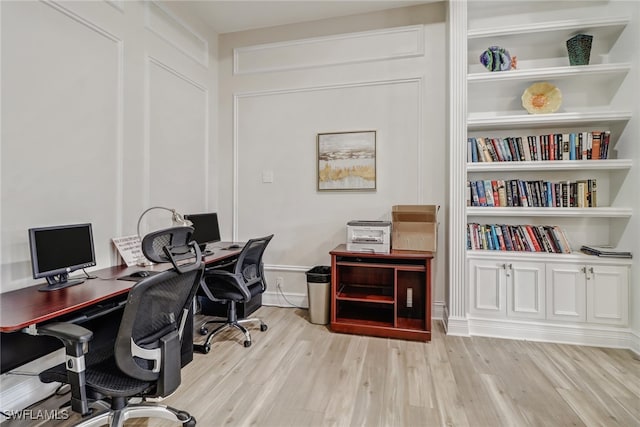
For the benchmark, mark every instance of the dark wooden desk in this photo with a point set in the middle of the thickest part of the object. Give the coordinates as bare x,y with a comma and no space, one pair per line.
23,309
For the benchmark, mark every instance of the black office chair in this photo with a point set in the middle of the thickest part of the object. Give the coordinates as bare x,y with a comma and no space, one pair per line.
145,359
231,287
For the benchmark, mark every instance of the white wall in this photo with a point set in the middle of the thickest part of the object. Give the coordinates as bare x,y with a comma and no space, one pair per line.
280,87
107,108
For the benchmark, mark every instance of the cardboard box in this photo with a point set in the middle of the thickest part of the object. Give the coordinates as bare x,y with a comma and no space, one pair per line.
415,227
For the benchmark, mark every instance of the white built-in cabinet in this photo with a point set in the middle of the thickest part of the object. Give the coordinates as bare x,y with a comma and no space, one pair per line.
577,292
597,294
541,288
507,289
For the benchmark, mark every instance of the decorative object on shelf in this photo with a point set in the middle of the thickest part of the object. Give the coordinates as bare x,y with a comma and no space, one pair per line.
579,48
347,161
497,58
541,98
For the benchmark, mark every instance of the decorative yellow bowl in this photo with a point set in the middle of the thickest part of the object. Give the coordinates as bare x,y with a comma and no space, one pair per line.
541,98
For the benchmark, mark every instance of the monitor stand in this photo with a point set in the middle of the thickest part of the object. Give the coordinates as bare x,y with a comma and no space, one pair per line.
60,281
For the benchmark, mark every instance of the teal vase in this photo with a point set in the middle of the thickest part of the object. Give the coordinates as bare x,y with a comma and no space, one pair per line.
579,48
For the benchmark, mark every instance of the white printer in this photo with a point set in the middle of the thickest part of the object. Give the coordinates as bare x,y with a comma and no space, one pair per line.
369,236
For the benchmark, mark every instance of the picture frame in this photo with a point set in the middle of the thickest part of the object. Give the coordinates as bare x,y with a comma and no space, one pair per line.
346,161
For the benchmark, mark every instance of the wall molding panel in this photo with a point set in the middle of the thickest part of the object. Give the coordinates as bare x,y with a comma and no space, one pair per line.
118,172
237,97
152,61
173,30
367,46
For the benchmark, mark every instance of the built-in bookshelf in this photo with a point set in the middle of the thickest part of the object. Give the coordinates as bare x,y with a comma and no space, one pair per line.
570,156
522,258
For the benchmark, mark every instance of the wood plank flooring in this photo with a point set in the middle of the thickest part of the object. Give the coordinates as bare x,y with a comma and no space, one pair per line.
300,374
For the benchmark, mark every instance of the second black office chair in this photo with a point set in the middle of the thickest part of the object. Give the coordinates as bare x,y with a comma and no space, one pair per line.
231,287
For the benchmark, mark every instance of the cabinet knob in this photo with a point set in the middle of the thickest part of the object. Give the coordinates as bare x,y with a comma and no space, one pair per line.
583,269
591,270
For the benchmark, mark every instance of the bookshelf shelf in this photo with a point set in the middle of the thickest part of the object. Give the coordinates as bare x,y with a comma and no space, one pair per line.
599,212
601,72
511,120
552,165
574,257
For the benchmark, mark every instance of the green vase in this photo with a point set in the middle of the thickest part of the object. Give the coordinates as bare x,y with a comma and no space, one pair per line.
579,48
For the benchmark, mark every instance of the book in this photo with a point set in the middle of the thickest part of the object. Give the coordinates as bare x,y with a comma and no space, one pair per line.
483,151
572,146
562,238
472,150
482,198
502,193
605,251
595,147
566,148
604,145
488,191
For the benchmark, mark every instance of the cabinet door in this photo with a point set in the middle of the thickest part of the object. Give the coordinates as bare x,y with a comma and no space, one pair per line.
566,292
487,290
608,295
526,290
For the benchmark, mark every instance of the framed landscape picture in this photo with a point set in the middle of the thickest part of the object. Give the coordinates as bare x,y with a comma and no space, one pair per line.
347,161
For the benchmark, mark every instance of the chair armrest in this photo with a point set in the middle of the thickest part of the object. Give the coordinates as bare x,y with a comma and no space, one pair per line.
73,336
75,339
170,364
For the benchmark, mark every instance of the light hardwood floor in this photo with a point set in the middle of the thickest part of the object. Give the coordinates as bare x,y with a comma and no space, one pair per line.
300,374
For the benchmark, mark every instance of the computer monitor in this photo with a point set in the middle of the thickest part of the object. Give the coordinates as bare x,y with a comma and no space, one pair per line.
206,228
57,251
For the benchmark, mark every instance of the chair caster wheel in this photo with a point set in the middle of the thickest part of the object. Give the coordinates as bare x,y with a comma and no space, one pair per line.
202,348
247,343
204,331
186,418
263,327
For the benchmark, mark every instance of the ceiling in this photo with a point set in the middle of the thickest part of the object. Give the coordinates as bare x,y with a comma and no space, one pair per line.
240,15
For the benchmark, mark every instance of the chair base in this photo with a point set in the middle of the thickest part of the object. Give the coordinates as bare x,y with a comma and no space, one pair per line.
116,418
238,324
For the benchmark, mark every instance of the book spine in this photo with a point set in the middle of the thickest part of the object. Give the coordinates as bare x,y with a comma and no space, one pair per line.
566,147
488,192
595,147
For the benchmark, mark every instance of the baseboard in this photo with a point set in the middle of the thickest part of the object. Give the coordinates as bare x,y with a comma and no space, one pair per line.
285,299
458,326
598,336
635,342
21,387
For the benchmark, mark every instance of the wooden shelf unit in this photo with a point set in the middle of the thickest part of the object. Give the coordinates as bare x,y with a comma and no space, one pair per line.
383,295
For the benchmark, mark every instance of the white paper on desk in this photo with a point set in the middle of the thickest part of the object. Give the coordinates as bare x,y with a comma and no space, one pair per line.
130,249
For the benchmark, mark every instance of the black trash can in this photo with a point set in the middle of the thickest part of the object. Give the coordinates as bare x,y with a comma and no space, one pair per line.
318,290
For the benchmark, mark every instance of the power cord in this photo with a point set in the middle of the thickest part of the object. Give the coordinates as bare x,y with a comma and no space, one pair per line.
289,302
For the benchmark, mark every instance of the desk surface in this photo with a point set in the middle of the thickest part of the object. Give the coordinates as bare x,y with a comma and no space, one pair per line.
28,306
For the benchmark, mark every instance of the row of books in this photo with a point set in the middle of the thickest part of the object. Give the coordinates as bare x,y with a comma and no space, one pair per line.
559,146
520,193
520,238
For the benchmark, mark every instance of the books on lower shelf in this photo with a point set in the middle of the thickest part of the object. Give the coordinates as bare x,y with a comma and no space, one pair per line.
520,193
592,145
605,251
519,238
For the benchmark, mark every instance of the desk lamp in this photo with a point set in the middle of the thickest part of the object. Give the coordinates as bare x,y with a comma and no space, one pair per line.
176,217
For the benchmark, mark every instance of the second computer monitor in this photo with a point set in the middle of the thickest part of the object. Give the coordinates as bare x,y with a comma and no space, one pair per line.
206,229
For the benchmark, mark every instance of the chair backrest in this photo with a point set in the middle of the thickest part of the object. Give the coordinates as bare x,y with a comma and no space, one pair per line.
249,263
148,342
